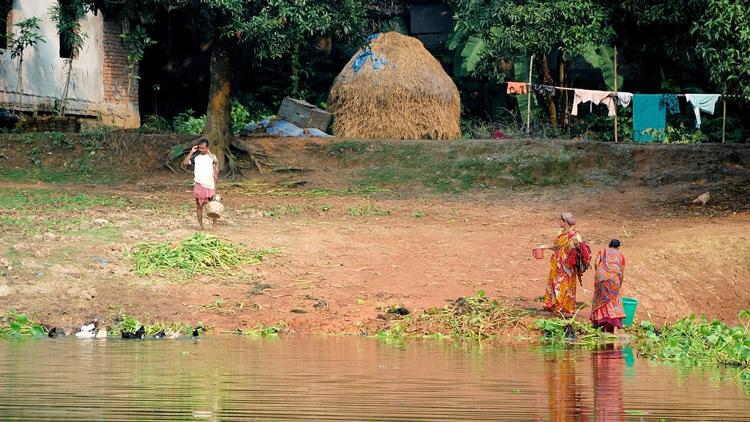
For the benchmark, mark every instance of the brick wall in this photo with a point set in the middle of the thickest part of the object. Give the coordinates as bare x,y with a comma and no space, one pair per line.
115,66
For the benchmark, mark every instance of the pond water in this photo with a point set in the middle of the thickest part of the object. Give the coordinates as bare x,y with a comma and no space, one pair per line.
345,378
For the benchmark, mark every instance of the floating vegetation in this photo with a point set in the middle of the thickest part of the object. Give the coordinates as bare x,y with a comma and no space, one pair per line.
199,254
696,341
468,318
14,324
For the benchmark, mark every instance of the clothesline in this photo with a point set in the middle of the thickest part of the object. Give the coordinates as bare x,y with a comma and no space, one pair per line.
563,88
652,115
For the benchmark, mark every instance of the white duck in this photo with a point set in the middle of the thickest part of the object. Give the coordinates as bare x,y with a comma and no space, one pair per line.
88,330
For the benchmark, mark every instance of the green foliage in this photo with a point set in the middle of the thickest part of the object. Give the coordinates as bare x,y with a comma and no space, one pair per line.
187,123
470,318
199,254
156,124
14,324
124,322
264,330
723,42
558,330
696,341
136,42
28,36
677,135
602,58
59,140
284,210
487,33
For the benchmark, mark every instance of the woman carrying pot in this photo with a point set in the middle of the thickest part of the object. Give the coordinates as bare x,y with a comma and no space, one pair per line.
561,284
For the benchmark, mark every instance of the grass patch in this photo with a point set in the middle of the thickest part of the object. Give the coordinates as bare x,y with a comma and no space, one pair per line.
48,200
460,166
82,172
695,341
470,318
366,211
33,226
280,211
199,254
14,325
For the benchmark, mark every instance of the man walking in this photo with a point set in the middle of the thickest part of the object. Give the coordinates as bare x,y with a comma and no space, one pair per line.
206,169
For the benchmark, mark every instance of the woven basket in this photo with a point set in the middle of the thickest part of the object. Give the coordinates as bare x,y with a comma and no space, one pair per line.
214,209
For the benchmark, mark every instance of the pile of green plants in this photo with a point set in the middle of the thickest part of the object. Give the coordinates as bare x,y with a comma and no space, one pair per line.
14,324
560,330
697,341
124,322
467,318
199,254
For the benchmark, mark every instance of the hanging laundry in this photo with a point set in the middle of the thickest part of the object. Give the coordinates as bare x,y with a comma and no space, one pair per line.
671,103
702,102
595,97
624,98
544,90
517,88
649,112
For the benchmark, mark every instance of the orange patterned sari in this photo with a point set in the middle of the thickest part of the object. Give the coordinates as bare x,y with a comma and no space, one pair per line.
561,285
607,311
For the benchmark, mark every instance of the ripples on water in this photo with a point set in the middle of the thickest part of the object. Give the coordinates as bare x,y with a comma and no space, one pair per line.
342,378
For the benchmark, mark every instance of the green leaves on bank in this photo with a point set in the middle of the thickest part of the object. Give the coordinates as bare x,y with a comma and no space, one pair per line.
199,254
14,324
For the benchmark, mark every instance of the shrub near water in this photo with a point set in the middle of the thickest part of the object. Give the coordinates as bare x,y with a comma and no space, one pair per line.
14,324
199,254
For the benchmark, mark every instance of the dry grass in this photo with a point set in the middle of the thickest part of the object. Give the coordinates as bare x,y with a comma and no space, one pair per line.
411,97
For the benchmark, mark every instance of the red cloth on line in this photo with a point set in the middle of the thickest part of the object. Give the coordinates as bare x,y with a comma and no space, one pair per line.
518,88
202,194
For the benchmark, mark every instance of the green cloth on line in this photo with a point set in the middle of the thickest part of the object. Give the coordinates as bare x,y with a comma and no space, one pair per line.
649,112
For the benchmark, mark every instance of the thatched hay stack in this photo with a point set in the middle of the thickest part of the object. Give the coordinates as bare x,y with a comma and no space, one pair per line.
410,97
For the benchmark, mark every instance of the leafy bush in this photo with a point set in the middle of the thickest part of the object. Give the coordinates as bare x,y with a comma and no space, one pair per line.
187,123
14,324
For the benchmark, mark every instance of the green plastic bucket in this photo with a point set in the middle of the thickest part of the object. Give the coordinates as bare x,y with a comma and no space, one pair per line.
629,304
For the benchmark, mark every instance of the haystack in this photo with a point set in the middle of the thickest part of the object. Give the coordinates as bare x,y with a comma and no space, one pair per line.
400,93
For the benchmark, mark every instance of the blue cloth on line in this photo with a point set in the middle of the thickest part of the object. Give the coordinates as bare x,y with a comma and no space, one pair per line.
671,103
702,102
649,112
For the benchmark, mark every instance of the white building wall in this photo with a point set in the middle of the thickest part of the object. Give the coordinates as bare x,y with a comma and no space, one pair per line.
44,71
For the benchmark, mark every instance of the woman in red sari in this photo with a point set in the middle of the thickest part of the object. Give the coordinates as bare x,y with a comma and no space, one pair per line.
607,311
561,285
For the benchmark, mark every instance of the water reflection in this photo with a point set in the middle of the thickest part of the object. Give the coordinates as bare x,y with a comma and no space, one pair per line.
342,378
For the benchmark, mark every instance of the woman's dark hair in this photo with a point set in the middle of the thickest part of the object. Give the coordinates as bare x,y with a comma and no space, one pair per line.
614,243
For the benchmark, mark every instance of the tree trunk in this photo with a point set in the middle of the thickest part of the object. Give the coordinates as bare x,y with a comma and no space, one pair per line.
218,129
547,77
67,85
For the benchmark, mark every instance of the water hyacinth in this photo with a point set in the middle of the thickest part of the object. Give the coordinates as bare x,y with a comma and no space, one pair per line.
696,341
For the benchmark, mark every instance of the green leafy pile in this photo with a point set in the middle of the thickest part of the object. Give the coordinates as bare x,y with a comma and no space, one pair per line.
469,318
199,254
14,324
571,330
696,341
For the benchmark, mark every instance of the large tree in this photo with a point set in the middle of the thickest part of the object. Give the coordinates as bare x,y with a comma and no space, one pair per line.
490,34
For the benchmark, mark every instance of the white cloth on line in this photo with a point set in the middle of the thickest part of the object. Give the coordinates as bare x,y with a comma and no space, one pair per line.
595,97
624,98
702,102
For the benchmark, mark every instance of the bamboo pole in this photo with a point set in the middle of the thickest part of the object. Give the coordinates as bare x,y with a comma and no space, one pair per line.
724,123
616,100
528,98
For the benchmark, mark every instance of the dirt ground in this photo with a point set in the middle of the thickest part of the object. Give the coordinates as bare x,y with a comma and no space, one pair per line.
345,256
